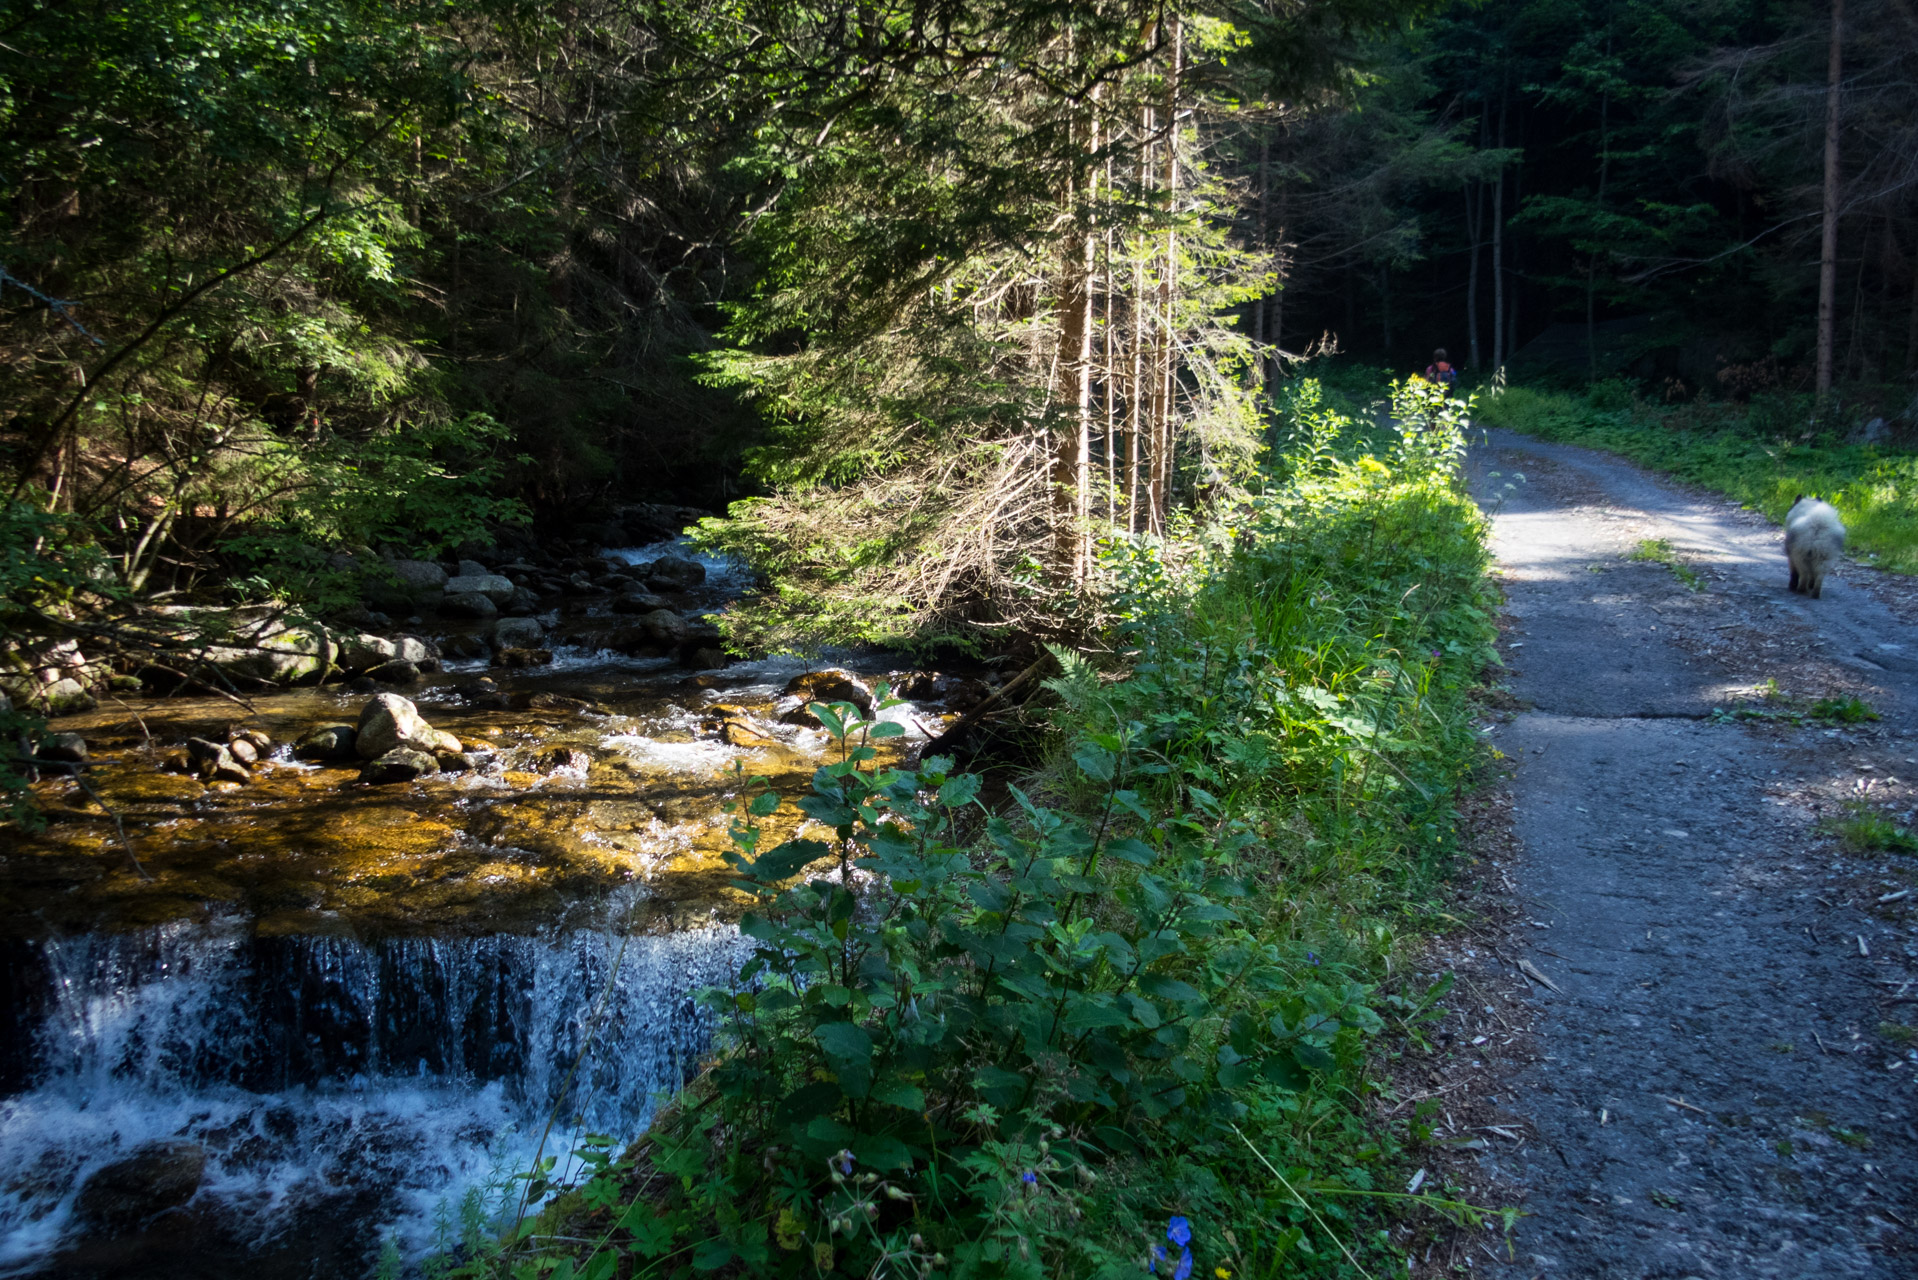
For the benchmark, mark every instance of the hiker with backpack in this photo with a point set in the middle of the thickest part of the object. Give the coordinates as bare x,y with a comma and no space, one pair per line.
1441,370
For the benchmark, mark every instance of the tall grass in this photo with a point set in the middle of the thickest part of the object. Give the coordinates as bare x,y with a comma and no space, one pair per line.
1764,455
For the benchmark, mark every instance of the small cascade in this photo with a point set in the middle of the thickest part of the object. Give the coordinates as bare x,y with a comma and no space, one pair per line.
334,1086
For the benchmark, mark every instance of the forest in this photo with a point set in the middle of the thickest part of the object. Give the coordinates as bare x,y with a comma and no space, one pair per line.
922,298
1072,377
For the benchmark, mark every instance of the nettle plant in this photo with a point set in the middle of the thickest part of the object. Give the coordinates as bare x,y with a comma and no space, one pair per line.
939,1042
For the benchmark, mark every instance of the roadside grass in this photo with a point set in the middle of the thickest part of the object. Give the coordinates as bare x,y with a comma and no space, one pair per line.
1135,1018
1864,829
1659,551
1763,454
1774,704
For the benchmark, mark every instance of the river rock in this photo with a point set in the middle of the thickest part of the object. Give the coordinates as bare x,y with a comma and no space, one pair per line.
398,671
243,751
518,633
472,569
673,573
66,696
523,658
155,1178
469,604
389,722
401,764
327,744
491,585
363,652
262,740
565,759
214,762
68,749
743,733
665,628
639,602
463,645
524,603
834,684
419,576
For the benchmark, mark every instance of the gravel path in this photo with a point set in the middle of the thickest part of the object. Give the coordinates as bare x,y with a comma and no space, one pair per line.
1719,1087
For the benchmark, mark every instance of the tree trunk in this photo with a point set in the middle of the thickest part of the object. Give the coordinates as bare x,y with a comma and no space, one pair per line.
1137,406
1259,303
1161,478
1911,326
1828,248
1498,249
1072,450
1474,226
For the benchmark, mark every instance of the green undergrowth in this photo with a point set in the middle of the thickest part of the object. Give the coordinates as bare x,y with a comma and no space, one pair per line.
1137,1016
1763,454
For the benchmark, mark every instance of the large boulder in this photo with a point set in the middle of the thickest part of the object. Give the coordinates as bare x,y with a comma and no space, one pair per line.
327,744
470,604
363,652
471,568
398,671
402,764
155,1178
389,722
673,573
638,602
491,585
65,750
423,654
831,685
419,577
518,633
665,628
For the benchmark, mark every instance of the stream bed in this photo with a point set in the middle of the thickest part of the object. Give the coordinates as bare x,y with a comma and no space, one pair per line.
277,1024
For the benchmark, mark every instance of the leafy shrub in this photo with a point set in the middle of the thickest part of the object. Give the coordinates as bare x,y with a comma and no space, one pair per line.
1127,1014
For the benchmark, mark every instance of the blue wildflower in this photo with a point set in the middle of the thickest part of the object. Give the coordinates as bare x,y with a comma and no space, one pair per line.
1028,1177
1185,1266
844,1160
1179,1231
1313,956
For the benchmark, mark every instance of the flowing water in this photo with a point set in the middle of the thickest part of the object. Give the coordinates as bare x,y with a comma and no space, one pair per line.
357,1007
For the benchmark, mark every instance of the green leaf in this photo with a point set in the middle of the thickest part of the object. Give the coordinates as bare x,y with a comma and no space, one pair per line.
1095,761
785,861
887,729
828,717
897,1093
711,1255
764,805
1136,852
844,1043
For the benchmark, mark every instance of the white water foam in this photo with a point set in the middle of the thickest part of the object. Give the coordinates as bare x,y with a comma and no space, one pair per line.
323,1076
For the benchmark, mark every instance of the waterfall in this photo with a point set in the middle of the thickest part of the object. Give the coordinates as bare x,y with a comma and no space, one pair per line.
331,1082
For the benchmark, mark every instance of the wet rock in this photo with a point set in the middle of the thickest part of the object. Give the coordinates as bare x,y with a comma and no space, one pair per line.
579,584
473,569
469,604
68,749
618,582
700,682
363,652
423,654
176,761
524,603
399,671
518,633
229,770
390,722
565,760
243,751
66,696
833,684
418,576
469,761
327,744
551,702
463,646
920,686
155,1178
262,740
967,694
665,628
673,573
523,658
743,733
401,764
491,585
702,657
638,602
362,684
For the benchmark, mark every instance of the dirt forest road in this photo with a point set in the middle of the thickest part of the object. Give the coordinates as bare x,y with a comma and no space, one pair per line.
1722,1084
